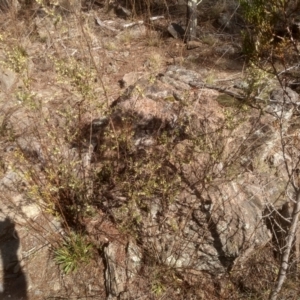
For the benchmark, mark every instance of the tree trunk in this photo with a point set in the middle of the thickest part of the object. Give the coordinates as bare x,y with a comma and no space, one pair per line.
191,20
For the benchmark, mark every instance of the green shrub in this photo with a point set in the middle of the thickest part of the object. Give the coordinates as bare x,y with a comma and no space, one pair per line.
262,18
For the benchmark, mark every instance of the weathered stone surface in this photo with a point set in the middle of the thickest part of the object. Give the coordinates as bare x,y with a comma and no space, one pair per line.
226,50
235,219
131,78
8,80
281,104
134,260
23,210
286,95
123,264
211,226
11,181
115,273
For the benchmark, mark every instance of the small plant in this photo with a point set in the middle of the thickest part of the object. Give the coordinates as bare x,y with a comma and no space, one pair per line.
27,98
74,251
210,79
209,40
126,37
78,75
16,59
157,288
154,61
259,82
110,46
153,40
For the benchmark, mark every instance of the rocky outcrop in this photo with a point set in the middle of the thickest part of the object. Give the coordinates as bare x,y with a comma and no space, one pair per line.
189,179
224,169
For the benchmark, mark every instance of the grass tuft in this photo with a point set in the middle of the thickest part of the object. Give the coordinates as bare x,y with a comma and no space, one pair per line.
73,252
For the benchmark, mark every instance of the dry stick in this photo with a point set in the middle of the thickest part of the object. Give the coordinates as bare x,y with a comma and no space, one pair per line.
286,254
102,24
124,26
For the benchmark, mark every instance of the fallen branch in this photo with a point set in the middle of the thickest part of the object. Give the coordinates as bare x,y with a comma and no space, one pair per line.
142,22
132,24
125,26
102,24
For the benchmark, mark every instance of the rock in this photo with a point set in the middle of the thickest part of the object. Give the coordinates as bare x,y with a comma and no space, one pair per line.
226,50
181,74
131,78
23,210
38,293
112,68
278,159
123,265
284,96
133,32
193,44
8,80
134,260
31,148
229,233
115,273
30,211
214,222
176,31
11,181
234,219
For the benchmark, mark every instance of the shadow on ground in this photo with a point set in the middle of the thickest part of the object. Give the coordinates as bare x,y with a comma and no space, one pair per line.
13,285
